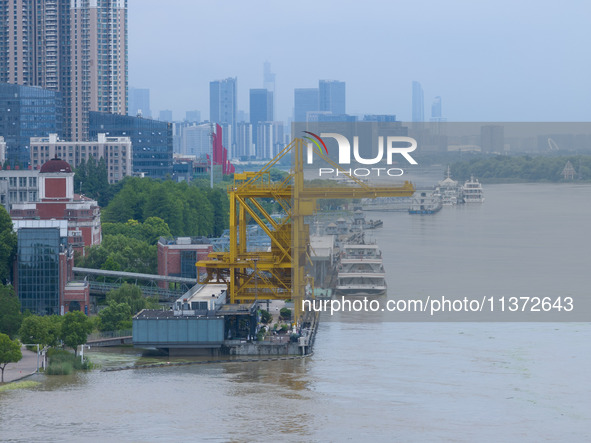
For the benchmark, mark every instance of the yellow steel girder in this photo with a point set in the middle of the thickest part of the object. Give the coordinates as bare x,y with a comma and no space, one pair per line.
279,273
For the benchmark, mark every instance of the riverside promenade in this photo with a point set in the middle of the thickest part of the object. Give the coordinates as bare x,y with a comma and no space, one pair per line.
24,368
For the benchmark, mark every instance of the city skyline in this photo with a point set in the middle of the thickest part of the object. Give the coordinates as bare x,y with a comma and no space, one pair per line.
77,48
511,67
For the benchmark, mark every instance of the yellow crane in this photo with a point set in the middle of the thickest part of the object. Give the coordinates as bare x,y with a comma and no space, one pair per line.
278,273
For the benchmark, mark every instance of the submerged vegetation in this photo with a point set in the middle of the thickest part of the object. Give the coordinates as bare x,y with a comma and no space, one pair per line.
62,362
26,384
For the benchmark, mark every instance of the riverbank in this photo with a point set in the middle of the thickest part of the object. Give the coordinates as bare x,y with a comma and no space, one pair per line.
24,368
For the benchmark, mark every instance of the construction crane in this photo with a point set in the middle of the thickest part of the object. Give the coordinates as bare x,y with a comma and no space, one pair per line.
277,274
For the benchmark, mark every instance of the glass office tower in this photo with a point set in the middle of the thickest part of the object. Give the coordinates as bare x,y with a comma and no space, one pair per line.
38,269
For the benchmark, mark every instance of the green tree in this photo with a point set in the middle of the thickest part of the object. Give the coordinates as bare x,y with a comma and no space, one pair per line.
149,231
130,200
119,252
265,317
75,329
285,313
132,296
221,208
80,177
163,202
10,311
7,244
189,210
44,330
115,316
10,352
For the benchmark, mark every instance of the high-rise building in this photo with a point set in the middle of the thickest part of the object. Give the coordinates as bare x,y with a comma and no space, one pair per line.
270,139
269,82
436,108
222,101
25,112
151,140
139,103
116,152
77,47
418,102
244,147
196,140
99,61
305,100
268,78
332,96
33,50
261,109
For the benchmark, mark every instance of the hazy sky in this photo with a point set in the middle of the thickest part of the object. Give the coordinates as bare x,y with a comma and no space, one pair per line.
491,60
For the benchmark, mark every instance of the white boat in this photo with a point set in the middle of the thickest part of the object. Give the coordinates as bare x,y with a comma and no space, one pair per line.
472,191
449,190
361,271
425,201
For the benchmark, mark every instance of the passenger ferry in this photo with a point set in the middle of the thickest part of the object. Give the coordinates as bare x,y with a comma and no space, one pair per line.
472,191
449,190
361,271
425,202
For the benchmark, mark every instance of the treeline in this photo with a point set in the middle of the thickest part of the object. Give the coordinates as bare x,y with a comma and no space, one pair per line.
71,329
91,179
188,210
7,244
522,168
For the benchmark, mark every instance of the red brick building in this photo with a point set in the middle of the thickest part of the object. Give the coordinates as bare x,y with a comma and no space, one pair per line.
177,256
57,201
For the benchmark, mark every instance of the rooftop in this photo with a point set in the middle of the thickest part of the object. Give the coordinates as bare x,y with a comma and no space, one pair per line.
55,165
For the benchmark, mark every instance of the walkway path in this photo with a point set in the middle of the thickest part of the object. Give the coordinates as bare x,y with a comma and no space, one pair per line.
25,367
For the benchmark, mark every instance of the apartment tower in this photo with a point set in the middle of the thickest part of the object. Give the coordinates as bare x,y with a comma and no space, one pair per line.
77,47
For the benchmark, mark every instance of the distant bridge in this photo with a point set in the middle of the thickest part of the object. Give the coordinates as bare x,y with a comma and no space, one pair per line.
97,279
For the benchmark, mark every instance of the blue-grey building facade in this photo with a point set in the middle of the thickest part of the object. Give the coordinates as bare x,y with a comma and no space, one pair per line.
163,329
305,100
25,112
38,269
261,109
418,102
222,101
332,96
151,141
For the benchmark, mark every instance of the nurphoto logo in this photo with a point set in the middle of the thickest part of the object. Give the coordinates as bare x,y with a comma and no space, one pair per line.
395,145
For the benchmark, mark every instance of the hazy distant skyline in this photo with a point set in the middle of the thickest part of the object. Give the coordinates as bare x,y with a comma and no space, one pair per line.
488,60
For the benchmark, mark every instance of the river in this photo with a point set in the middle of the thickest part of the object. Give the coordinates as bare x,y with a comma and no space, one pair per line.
370,378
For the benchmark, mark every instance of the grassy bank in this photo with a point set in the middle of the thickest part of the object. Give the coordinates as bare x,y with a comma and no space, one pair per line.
19,385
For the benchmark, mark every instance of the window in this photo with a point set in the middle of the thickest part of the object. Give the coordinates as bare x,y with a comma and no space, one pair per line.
22,182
